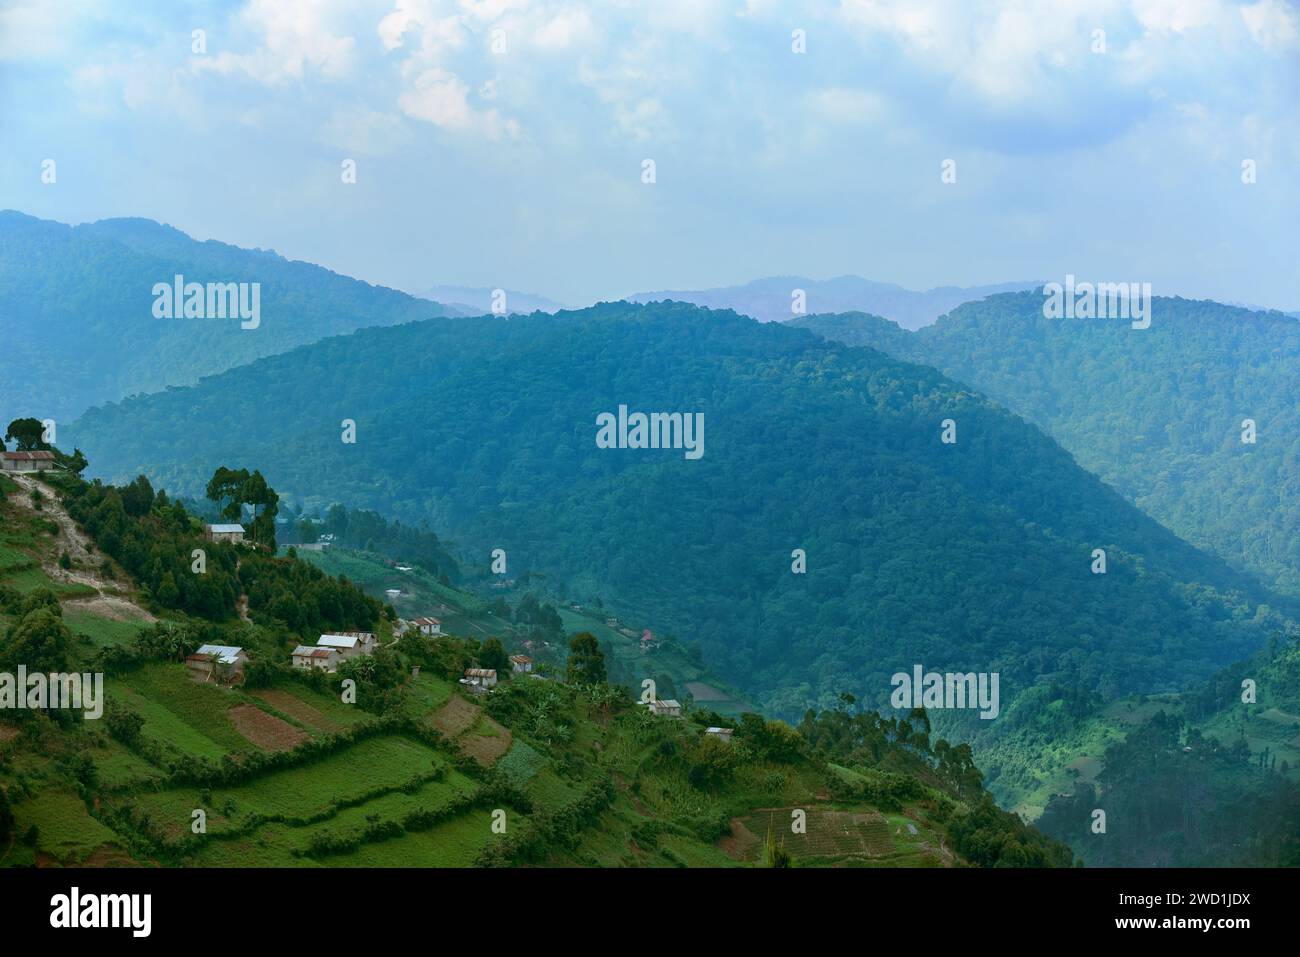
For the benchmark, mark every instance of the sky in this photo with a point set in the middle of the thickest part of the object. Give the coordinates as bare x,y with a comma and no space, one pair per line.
503,143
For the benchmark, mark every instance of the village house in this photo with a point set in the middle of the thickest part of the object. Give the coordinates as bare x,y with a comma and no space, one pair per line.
521,664
225,533
391,593
349,644
217,662
479,680
427,626
26,461
321,659
722,734
665,708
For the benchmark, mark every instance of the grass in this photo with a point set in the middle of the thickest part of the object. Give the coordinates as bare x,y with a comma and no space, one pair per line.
67,831
453,844
300,792
181,712
274,844
427,694
521,764
102,632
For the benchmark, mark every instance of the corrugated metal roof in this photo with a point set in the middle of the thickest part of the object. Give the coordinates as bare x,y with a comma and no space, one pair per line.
225,529
38,456
340,641
228,654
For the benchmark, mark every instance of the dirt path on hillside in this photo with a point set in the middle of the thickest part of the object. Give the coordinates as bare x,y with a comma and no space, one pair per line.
110,602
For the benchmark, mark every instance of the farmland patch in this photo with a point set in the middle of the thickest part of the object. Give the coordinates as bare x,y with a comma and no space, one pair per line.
265,730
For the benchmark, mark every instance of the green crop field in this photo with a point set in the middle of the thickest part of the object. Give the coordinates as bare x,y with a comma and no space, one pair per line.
67,831
102,632
298,793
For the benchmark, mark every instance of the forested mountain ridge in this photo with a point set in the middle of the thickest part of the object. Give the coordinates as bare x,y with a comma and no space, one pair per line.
972,556
77,310
1159,413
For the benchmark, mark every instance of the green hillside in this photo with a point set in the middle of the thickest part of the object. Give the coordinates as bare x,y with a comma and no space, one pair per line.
280,770
77,305
973,556
1155,412
676,670
1202,779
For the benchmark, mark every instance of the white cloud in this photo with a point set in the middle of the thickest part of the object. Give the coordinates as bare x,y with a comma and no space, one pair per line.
296,37
1272,25
441,98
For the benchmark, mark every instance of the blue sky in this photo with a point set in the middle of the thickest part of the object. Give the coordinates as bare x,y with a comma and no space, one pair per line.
514,158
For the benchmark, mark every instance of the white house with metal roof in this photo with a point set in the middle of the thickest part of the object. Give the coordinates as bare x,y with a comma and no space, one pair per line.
214,662
349,644
665,708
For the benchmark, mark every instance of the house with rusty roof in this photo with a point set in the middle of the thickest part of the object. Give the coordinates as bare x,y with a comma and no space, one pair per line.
26,461
308,658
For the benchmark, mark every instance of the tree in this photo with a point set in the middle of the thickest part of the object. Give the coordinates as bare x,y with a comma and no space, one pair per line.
492,655
237,488
27,433
76,463
123,723
138,497
586,664
39,640
775,855
6,817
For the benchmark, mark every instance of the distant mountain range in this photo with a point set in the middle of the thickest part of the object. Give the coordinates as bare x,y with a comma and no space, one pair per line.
478,301
78,311
770,300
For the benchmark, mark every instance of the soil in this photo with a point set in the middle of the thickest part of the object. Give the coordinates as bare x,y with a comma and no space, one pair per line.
298,709
110,603
456,716
265,730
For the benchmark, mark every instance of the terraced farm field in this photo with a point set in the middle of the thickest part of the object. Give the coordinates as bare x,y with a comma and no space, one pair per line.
850,837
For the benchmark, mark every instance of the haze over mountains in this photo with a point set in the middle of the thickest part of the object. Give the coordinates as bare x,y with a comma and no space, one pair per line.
972,556
769,300
76,305
1159,413
477,300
